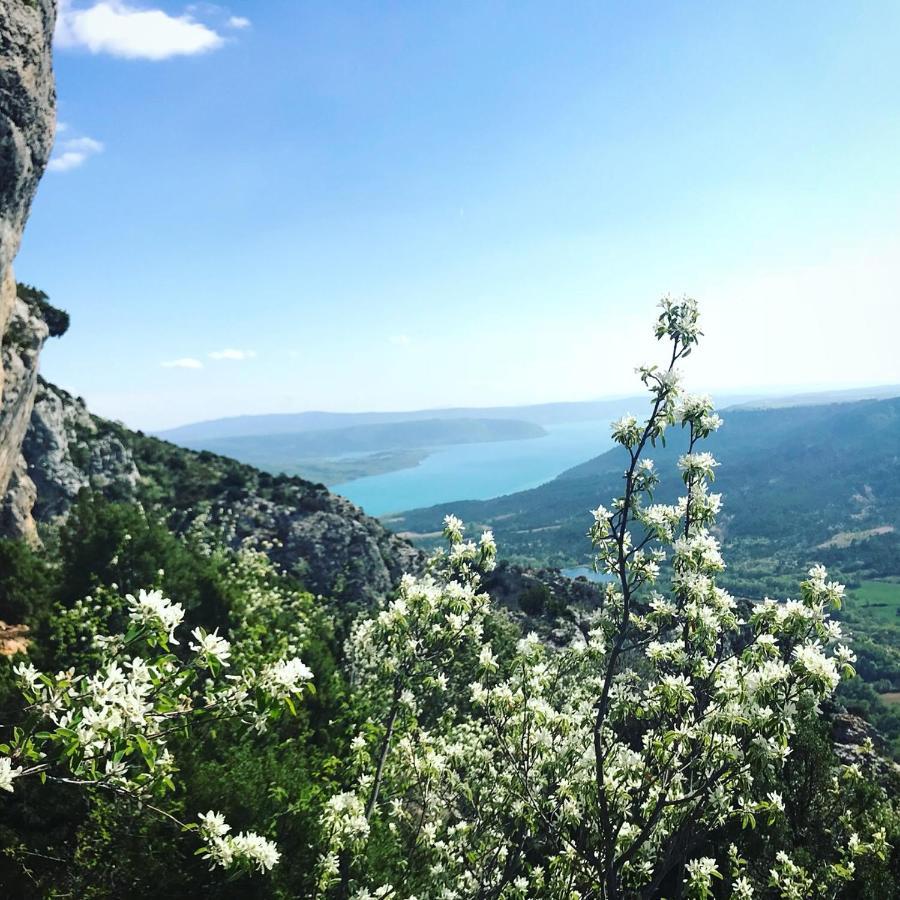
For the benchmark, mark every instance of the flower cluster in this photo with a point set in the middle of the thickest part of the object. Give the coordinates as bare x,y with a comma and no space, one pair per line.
108,726
284,678
7,773
230,851
213,648
657,726
159,613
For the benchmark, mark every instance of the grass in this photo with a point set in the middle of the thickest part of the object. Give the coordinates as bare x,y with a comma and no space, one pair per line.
892,698
878,600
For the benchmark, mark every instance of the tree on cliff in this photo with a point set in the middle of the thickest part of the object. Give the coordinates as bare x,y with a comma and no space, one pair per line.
57,319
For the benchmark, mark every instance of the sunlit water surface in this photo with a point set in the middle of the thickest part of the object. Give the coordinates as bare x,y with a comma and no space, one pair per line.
479,471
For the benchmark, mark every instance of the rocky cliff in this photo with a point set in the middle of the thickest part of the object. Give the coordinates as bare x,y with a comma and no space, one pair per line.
27,123
329,543
23,337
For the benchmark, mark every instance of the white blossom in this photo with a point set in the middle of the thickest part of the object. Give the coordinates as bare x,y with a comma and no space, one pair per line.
151,608
211,645
285,677
8,772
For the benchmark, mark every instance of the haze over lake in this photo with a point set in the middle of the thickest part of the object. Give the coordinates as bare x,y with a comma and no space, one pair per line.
480,471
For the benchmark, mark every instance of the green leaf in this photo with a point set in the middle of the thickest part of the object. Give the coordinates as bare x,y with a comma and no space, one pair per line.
144,746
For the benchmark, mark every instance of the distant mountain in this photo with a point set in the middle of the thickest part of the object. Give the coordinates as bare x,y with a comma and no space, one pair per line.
540,414
849,395
336,448
800,484
261,449
295,423
337,455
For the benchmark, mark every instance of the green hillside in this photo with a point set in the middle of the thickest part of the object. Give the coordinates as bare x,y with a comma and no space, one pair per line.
800,484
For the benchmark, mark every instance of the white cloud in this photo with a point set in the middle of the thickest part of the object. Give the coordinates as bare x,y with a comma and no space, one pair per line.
185,362
238,22
71,153
112,26
400,340
231,353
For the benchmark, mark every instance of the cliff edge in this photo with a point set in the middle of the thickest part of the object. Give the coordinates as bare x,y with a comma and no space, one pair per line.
27,126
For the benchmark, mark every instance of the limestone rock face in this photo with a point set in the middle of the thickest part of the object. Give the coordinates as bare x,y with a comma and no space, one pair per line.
27,113
328,542
27,124
65,453
23,338
16,510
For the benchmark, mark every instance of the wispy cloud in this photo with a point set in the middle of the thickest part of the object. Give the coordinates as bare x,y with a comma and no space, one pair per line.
238,22
231,353
185,362
114,27
71,153
400,340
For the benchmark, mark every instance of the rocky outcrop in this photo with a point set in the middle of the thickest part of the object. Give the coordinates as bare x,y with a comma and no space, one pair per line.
21,346
27,122
328,542
856,742
65,452
13,639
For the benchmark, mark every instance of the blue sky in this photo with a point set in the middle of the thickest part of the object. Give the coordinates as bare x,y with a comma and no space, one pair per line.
402,205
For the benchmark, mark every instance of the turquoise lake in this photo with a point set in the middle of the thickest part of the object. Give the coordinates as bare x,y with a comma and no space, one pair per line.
479,471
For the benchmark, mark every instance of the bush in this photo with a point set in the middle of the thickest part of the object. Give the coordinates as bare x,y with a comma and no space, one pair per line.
57,319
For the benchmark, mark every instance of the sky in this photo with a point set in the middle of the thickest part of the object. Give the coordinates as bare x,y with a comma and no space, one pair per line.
281,205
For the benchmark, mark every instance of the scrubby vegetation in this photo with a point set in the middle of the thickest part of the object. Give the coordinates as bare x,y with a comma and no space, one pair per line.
188,719
57,319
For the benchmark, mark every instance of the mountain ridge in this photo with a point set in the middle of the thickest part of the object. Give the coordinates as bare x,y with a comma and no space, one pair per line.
557,412
317,420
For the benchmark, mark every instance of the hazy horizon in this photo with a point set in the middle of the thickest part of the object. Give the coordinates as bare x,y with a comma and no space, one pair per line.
730,397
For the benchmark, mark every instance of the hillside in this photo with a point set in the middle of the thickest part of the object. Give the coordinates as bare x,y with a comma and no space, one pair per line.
816,398
794,479
331,545
803,485
267,425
